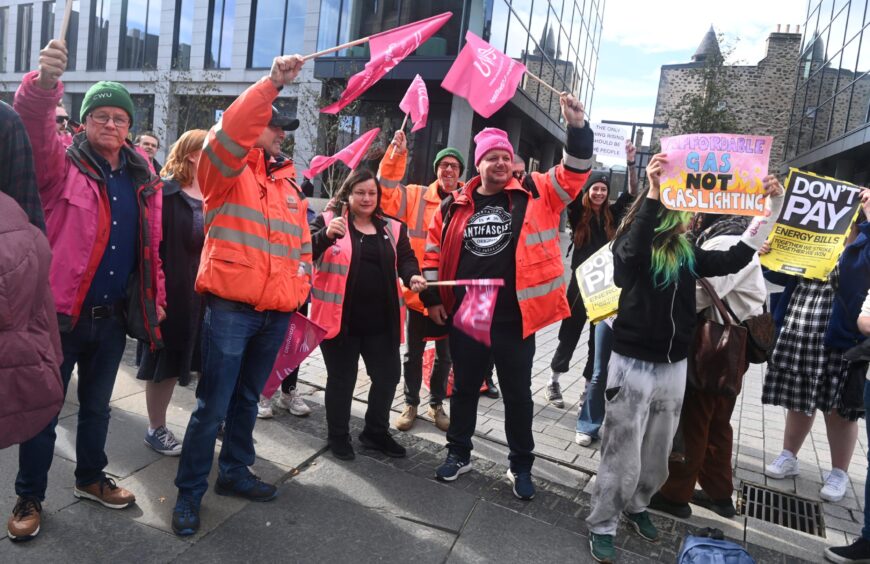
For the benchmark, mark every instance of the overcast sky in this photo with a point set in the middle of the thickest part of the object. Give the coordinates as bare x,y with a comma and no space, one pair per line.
641,36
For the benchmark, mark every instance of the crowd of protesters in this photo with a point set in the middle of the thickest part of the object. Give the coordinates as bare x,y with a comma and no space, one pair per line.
204,259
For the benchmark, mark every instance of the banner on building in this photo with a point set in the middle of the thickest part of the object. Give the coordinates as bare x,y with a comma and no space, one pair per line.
715,173
595,279
610,140
810,234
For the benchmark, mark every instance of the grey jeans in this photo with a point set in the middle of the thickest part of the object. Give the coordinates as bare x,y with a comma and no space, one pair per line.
644,400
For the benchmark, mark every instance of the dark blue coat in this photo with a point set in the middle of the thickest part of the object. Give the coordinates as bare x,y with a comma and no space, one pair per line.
850,293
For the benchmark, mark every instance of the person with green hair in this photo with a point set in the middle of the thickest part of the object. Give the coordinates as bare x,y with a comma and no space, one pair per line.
656,266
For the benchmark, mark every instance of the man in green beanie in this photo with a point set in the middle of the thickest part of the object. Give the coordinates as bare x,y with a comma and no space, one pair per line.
104,222
415,205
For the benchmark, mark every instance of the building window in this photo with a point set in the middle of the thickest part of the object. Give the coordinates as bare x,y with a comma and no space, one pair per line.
98,35
219,34
182,34
275,28
25,37
72,36
4,21
140,32
47,23
143,113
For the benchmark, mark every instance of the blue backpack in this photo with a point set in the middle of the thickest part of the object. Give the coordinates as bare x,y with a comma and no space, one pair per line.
709,547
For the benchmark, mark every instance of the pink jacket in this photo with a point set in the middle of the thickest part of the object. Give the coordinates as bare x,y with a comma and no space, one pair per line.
77,211
30,353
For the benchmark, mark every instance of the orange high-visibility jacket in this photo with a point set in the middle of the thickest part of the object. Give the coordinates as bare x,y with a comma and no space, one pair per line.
330,280
257,245
414,204
539,270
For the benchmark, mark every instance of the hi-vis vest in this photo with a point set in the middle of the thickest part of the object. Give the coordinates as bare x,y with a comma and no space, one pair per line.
257,246
330,280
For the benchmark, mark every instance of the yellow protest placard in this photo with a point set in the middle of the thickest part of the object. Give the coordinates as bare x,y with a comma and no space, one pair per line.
810,233
595,279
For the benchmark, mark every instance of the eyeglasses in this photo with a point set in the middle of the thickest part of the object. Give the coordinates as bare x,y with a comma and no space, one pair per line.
448,166
103,119
519,174
61,119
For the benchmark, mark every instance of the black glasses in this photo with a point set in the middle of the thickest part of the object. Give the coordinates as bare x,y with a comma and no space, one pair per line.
103,119
519,174
61,119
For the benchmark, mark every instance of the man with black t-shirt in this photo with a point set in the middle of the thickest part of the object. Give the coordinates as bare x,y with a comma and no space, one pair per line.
497,227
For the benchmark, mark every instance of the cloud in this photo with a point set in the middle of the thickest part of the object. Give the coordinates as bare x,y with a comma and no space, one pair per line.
677,25
610,87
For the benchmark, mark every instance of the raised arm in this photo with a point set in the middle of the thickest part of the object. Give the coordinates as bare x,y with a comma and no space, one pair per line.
394,196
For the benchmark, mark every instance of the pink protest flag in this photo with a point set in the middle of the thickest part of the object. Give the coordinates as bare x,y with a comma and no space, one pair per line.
484,76
302,337
474,316
416,103
387,50
350,155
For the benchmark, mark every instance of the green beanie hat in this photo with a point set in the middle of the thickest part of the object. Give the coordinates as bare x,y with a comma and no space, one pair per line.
449,152
107,93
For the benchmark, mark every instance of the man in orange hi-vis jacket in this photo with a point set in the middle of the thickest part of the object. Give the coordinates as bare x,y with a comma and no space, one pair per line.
416,205
255,271
497,227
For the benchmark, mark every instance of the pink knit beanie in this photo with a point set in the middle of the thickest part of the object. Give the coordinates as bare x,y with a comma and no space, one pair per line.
490,139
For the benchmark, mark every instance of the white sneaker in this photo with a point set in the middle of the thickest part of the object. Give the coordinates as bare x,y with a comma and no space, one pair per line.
292,402
785,465
835,485
583,439
264,408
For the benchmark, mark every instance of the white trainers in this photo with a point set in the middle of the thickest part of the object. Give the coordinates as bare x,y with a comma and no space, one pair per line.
292,402
583,439
835,485
785,465
264,408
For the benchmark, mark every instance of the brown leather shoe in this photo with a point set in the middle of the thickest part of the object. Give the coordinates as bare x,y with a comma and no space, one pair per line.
25,520
406,420
107,493
436,412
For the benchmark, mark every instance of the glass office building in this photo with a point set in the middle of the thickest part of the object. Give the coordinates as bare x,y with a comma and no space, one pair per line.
829,125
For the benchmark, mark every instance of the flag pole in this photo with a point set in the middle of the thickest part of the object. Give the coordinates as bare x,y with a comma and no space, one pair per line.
404,121
553,90
443,283
353,43
67,14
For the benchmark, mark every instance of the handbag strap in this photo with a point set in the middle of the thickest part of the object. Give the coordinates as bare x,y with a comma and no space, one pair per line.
723,310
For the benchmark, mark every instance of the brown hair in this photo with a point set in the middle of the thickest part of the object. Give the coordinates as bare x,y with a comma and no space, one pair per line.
177,166
582,230
356,177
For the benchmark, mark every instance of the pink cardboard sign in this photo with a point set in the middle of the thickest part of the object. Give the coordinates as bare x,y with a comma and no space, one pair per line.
715,173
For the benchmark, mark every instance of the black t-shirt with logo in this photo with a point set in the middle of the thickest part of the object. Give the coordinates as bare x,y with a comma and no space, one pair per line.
489,251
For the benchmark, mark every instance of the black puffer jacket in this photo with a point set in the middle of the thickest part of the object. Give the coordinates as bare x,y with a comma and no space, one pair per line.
655,324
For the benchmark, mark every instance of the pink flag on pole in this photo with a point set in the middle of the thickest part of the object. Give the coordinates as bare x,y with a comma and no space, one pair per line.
350,155
474,316
302,337
387,50
416,103
484,76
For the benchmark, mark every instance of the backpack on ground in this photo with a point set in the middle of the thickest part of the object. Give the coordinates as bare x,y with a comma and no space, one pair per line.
708,546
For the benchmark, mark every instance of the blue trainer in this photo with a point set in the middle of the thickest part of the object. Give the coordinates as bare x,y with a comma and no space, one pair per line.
452,468
522,484
185,516
251,488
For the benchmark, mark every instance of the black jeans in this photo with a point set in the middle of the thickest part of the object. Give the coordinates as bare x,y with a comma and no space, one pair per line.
341,356
414,363
570,331
513,360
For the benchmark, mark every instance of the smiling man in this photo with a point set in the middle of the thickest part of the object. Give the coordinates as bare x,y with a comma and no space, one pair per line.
103,217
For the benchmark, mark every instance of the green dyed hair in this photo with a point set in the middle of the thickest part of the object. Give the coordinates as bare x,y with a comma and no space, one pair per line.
671,250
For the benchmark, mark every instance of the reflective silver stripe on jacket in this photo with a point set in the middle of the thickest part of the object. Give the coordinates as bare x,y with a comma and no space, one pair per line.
540,290
225,171
333,268
251,240
403,201
431,275
306,268
563,195
229,144
418,231
575,162
543,236
433,249
236,210
285,227
306,248
388,183
325,296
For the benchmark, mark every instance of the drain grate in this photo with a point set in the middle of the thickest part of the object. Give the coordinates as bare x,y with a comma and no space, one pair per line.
780,508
